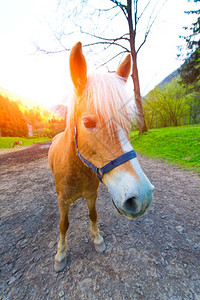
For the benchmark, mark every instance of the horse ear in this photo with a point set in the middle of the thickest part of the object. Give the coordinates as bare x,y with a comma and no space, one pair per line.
125,68
78,67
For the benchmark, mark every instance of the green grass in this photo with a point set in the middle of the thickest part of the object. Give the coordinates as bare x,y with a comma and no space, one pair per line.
177,145
7,142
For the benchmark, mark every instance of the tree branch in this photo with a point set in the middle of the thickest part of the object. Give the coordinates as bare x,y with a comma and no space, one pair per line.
107,43
38,49
106,39
144,10
107,9
135,12
144,41
123,7
122,52
57,38
150,26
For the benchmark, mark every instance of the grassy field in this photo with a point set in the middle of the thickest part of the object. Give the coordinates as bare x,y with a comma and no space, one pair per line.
177,145
7,142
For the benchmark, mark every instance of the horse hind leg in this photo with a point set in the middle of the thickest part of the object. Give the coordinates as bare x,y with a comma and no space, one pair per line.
94,230
60,258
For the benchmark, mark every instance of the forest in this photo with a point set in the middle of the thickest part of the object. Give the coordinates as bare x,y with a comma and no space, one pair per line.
177,102
14,121
172,104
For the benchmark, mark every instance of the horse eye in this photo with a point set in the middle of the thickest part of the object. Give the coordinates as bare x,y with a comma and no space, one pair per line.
89,122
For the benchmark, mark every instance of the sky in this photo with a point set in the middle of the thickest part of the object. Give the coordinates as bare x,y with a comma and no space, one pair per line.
45,78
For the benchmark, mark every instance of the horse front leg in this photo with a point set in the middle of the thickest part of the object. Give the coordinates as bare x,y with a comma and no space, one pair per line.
60,258
94,230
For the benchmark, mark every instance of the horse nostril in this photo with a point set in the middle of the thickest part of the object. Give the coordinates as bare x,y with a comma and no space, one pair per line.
131,205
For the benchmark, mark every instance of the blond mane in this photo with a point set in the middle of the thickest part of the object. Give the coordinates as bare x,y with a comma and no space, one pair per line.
106,96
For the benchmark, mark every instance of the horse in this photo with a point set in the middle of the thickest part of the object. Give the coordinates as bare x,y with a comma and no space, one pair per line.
95,147
17,143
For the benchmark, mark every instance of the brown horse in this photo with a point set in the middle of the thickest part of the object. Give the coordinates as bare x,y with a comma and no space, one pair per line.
95,146
17,143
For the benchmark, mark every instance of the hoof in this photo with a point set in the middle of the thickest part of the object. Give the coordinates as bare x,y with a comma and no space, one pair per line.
59,266
100,248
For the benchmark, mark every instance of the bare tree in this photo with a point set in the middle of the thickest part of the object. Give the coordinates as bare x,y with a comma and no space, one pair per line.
130,11
125,41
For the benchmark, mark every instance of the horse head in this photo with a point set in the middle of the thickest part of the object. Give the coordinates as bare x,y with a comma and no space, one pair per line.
103,110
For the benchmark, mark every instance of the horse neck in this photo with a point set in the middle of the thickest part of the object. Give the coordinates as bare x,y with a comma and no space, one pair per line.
74,163
69,138
69,142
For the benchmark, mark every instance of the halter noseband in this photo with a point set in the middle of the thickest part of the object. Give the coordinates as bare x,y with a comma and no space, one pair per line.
108,167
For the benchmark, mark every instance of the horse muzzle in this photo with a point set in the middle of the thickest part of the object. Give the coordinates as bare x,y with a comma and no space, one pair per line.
133,207
130,197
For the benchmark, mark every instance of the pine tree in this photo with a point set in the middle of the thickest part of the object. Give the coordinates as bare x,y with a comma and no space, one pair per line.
190,70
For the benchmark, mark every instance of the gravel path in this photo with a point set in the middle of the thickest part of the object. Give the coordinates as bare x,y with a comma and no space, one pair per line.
154,257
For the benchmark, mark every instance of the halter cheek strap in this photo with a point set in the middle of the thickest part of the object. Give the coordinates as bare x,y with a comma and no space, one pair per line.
108,167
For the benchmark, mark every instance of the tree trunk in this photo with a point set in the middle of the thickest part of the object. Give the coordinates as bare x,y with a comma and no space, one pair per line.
138,98
135,77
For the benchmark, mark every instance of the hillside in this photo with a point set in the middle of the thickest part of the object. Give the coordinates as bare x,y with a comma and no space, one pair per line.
21,117
26,104
60,109
169,78
172,102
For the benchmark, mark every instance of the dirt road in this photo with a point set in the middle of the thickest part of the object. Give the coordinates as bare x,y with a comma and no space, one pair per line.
154,257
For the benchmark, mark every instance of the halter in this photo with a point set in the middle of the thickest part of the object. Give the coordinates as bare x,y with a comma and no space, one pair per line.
108,167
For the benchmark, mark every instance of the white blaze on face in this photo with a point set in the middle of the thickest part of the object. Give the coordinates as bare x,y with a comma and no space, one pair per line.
123,185
126,146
